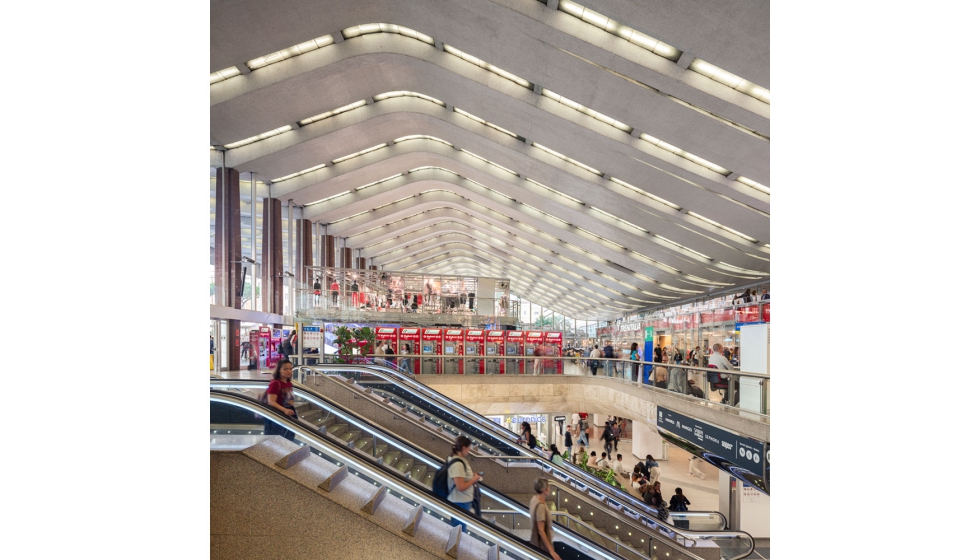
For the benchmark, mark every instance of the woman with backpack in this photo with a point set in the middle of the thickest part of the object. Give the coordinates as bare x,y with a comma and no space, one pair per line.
462,479
527,437
679,503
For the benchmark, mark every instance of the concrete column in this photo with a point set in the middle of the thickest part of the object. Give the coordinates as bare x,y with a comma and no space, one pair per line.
272,270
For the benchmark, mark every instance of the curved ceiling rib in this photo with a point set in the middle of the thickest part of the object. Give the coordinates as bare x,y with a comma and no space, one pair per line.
357,64
506,138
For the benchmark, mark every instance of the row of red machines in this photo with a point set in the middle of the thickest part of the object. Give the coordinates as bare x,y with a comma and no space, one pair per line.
478,351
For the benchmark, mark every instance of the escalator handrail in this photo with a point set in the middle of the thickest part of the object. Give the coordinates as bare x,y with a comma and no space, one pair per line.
619,496
383,473
414,451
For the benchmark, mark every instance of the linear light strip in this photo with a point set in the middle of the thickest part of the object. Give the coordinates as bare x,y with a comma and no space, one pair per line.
726,228
222,75
587,111
645,193
753,184
368,28
731,80
258,137
491,125
487,66
295,50
686,155
360,153
298,173
611,26
559,193
393,94
488,161
568,159
422,137
336,111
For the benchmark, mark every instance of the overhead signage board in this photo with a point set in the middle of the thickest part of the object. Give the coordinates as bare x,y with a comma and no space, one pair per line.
745,452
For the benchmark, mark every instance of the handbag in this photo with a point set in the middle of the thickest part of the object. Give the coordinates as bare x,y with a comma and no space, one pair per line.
476,500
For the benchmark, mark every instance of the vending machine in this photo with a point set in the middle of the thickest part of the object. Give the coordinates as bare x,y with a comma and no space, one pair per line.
452,344
552,345
493,349
431,349
273,356
265,346
410,337
473,350
383,336
514,348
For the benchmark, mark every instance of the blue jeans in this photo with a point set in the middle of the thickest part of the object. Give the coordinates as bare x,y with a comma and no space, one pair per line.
466,506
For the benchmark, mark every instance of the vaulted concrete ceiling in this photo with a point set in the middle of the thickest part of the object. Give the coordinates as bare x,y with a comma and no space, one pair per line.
601,177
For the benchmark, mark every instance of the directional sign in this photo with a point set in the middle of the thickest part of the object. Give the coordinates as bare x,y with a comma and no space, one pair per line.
739,450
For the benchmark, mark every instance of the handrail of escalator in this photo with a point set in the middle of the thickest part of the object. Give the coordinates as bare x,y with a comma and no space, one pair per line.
566,471
601,486
434,461
394,480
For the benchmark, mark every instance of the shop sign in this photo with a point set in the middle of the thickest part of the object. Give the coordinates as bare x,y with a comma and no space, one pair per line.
529,419
738,326
648,334
742,451
559,418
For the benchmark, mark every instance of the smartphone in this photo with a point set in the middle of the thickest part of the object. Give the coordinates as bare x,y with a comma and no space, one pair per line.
480,473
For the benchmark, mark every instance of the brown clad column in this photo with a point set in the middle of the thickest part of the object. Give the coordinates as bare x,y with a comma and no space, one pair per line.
272,256
228,255
348,257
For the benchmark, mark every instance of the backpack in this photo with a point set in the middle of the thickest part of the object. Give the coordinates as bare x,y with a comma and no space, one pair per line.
440,482
681,506
532,442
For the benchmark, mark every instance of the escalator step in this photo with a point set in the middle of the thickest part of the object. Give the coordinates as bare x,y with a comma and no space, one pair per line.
335,428
428,478
381,449
418,472
405,464
363,444
392,456
351,436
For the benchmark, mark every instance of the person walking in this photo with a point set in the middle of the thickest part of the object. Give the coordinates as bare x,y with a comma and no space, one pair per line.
607,439
583,426
617,431
542,535
462,479
692,467
594,359
679,503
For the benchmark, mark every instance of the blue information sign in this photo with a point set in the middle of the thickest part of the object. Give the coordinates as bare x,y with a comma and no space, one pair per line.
742,451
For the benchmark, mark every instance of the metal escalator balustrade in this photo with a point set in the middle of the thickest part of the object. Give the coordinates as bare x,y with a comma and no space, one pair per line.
404,488
709,524
488,432
632,542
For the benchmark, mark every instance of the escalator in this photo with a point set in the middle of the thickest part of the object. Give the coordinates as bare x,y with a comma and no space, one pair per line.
497,442
494,439
587,536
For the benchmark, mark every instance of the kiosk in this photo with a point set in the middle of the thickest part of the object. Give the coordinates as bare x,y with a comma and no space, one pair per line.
452,345
411,337
385,335
264,346
473,349
493,349
552,347
514,348
431,349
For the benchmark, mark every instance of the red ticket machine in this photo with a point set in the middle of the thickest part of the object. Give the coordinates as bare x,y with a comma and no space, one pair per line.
534,348
765,312
473,350
265,347
514,352
452,345
410,337
383,336
431,349
552,346
493,350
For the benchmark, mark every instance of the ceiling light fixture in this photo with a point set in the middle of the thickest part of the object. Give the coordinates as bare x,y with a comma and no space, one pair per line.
731,80
394,94
487,66
295,50
611,26
686,155
568,159
585,110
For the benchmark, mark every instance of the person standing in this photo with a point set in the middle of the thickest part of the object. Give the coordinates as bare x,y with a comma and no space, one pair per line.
608,353
635,357
568,439
765,294
526,436
658,354
316,292
594,359
462,479
617,431
692,467
542,535
679,503
279,395
404,362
